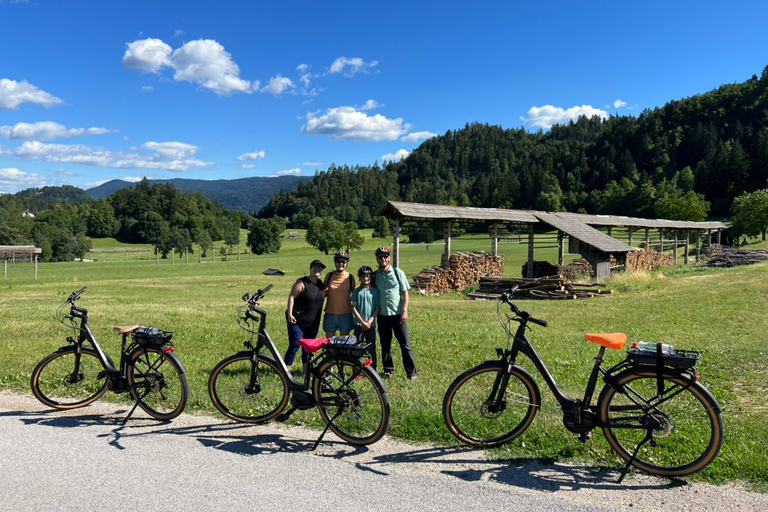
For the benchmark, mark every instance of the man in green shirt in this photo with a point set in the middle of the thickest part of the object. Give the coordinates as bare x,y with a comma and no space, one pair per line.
393,314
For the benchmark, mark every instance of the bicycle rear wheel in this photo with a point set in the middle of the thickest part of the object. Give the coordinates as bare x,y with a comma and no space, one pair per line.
248,392
64,381
672,434
481,411
157,381
352,400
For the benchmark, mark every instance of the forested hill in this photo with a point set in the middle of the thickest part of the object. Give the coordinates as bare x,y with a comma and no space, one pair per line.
670,161
244,194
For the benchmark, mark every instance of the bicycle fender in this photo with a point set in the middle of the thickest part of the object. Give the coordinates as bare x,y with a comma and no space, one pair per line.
176,359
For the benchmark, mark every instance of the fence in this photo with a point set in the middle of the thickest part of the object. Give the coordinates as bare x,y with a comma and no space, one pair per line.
145,253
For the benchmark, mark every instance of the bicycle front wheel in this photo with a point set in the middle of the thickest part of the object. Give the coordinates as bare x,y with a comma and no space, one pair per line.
351,400
66,380
675,433
248,391
480,409
157,382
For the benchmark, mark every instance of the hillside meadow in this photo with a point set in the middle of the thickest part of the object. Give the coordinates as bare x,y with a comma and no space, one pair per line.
720,312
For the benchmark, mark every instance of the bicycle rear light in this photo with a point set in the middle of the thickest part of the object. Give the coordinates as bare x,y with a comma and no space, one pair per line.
368,362
169,349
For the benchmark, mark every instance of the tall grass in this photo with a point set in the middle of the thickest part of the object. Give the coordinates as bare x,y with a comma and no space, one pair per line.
721,313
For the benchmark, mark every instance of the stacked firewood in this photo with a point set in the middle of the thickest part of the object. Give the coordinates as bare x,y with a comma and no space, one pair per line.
642,259
723,256
543,268
464,269
549,287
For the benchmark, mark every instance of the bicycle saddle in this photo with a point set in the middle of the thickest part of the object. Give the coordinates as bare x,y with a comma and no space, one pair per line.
615,340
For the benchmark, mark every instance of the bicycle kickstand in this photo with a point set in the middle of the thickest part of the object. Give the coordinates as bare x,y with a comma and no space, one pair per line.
130,413
648,437
327,426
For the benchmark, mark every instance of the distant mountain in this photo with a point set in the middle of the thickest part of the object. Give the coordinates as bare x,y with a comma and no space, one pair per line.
245,194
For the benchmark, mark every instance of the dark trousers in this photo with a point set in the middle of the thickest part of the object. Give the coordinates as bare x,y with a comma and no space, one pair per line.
295,333
368,336
389,325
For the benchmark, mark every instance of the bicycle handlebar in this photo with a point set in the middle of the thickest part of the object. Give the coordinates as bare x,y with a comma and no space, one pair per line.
76,295
524,315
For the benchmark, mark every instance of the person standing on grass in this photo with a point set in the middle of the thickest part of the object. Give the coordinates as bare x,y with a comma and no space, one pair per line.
305,305
393,314
365,307
339,285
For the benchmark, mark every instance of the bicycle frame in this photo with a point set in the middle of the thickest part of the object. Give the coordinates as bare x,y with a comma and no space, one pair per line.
578,415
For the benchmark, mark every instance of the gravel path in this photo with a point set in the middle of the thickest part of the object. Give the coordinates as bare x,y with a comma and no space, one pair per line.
557,487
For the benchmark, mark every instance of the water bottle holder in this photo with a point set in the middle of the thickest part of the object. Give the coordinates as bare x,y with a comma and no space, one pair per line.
680,360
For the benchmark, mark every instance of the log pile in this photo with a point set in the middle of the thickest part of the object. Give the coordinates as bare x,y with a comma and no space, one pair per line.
642,259
549,287
723,256
579,267
464,269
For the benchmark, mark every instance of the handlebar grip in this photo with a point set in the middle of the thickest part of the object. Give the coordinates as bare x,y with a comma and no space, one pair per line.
265,290
80,292
542,323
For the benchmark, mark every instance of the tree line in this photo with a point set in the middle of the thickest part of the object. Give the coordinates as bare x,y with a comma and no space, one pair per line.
60,220
686,160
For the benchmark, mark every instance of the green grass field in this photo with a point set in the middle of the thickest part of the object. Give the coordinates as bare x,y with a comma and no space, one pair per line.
719,312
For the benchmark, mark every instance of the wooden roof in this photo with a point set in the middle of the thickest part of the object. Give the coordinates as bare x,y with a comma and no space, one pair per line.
403,210
20,249
576,228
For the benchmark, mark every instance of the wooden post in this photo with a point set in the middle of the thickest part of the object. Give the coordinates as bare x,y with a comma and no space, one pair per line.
698,246
661,240
396,243
5,269
647,239
719,232
674,250
213,252
35,267
238,252
687,248
494,240
630,236
447,251
530,250
560,247
200,253
157,255
186,254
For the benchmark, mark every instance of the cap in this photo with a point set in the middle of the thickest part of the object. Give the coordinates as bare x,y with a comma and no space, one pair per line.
317,263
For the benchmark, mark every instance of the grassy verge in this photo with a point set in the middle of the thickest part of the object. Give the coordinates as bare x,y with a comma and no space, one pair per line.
719,312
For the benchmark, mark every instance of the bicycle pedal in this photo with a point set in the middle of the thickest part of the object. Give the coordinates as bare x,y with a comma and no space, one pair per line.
284,416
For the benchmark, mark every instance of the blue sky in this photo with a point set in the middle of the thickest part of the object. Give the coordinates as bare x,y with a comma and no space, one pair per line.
97,90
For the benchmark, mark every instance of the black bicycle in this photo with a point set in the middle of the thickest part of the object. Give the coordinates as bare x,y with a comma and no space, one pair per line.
653,410
253,386
80,373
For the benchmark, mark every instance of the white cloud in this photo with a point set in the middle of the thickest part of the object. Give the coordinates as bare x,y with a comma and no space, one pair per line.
46,130
288,172
170,156
313,164
417,136
278,85
548,115
370,105
401,154
256,155
246,166
204,62
346,123
13,180
619,104
352,66
147,55
13,94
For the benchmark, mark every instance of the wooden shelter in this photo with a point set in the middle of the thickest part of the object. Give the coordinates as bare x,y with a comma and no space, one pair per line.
584,238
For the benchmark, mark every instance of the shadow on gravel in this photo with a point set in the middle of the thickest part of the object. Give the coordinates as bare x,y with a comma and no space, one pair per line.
527,473
462,463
